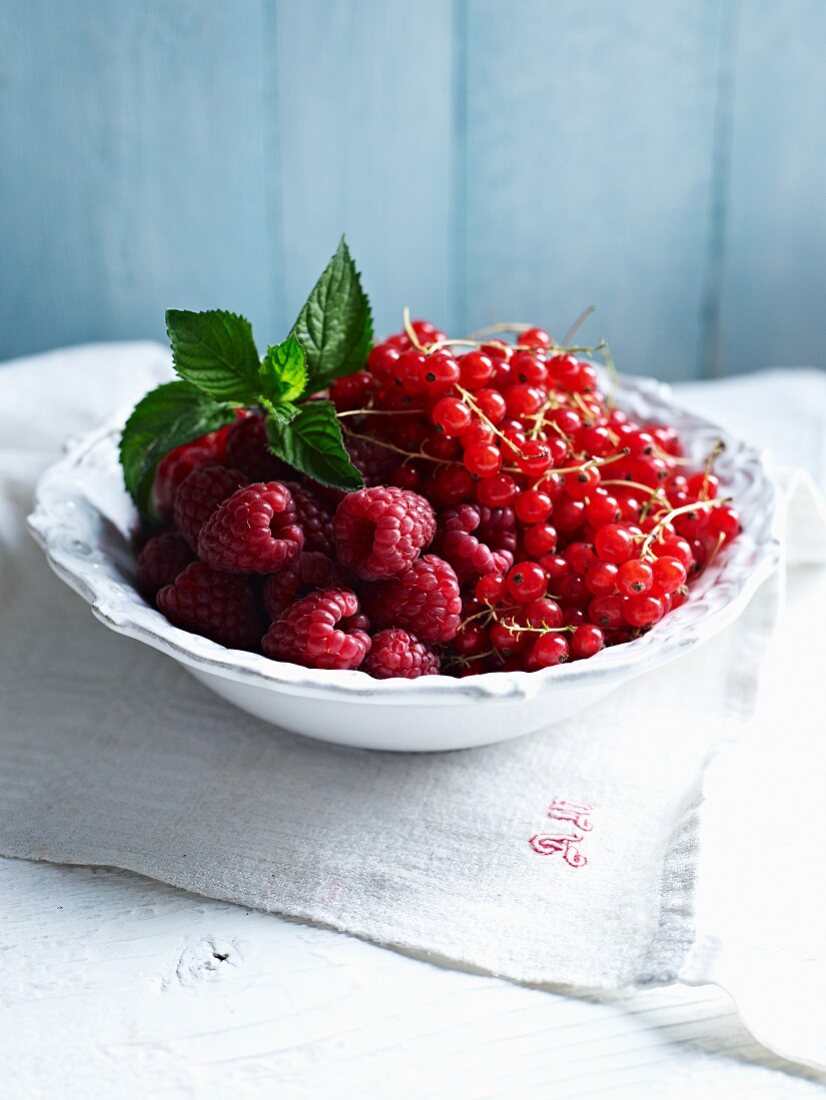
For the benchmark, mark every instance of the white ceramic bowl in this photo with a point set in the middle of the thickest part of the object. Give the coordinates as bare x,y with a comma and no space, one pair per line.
83,516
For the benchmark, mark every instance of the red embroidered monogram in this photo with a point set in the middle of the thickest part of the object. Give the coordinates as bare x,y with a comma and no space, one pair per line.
575,812
548,844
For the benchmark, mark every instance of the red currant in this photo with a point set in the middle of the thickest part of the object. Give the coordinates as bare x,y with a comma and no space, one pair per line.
669,574
539,539
563,369
491,404
534,338
606,611
497,491
492,588
382,362
352,391
451,486
533,506
451,416
702,486
549,650
569,515
477,370
568,421
523,400
643,610
528,368
440,372
527,581
540,612
594,440
634,577
470,640
601,578
409,372
581,483
614,543
483,459
586,640
602,508
571,590
581,556
724,520
506,639
534,457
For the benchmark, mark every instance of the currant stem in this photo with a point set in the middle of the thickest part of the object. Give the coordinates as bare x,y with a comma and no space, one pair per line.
714,453
681,511
398,450
513,625
501,326
379,412
650,493
411,332
469,400
578,323
584,465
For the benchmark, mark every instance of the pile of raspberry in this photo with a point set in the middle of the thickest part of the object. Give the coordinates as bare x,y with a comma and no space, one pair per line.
512,519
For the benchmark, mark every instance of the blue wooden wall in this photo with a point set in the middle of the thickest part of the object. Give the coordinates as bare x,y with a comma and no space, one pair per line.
510,158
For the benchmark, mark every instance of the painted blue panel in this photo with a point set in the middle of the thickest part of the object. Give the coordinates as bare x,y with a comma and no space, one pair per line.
665,161
134,172
589,172
774,256
365,136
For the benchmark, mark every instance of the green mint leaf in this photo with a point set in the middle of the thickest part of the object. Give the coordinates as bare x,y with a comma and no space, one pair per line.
215,351
283,374
282,414
312,444
335,326
172,414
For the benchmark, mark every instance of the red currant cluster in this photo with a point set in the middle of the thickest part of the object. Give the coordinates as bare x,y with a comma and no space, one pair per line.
569,526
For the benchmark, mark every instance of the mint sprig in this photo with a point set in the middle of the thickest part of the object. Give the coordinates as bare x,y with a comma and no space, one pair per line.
335,325
173,414
312,443
215,351
215,356
283,374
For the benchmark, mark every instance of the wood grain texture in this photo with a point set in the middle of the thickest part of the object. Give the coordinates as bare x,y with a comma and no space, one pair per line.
365,136
774,256
590,134
133,169
117,986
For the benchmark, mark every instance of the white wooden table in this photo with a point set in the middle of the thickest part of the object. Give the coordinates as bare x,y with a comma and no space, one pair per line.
113,985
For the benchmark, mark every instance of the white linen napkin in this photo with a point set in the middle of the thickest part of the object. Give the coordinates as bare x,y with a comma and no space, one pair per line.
567,858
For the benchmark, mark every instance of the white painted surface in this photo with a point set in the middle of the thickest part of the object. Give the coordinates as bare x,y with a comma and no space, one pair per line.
113,985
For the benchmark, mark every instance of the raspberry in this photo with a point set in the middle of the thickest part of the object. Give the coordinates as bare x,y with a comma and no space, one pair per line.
397,653
424,600
379,532
199,495
374,462
246,450
313,519
309,570
461,548
253,531
315,632
160,561
175,467
497,528
220,606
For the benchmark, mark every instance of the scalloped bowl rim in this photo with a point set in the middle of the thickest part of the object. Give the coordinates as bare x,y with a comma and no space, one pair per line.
116,603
